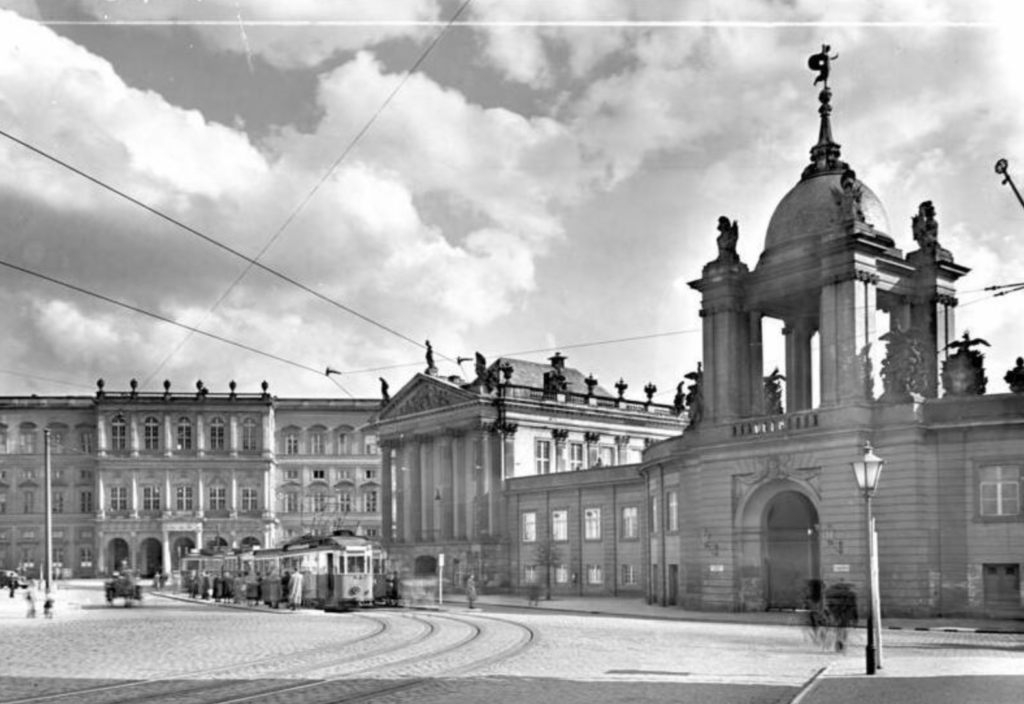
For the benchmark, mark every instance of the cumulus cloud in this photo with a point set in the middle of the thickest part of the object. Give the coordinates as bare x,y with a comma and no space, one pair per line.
289,34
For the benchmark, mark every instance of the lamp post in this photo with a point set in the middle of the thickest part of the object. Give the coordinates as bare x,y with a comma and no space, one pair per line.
867,472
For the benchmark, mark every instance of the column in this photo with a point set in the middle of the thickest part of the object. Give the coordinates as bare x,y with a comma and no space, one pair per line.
133,434
233,499
412,495
169,439
798,365
168,506
387,492
101,434
201,499
486,462
459,502
101,496
101,552
447,477
268,432
847,328
200,435
135,496
560,435
167,551
233,435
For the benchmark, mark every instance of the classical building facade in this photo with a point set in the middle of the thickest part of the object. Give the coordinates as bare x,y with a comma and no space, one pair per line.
142,478
766,494
520,476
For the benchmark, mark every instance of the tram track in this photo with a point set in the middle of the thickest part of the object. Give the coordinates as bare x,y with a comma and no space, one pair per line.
326,676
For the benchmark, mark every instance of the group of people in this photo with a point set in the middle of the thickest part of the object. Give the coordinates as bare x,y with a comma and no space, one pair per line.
248,588
31,596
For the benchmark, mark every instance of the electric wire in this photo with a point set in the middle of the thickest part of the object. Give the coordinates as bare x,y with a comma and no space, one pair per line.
157,316
316,188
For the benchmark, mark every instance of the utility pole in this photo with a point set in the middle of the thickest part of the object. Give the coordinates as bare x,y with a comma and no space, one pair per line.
48,510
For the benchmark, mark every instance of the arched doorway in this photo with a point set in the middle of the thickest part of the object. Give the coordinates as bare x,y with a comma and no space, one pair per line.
151,558
791,554
183,545
118,555
249,542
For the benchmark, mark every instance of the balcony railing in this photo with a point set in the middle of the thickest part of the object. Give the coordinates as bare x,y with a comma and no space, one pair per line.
530,393
767,425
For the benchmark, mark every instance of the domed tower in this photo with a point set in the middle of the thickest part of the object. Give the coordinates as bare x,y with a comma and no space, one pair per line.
827,267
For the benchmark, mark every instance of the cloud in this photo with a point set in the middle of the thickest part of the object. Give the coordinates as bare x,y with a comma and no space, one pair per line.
291,34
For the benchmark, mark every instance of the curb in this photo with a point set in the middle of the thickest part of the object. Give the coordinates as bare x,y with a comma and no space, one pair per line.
810,685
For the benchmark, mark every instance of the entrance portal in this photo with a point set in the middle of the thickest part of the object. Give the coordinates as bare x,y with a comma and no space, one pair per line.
791,549
118,556
183,545
151,559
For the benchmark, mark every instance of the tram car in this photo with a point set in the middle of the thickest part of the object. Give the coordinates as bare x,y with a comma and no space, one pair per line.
339,571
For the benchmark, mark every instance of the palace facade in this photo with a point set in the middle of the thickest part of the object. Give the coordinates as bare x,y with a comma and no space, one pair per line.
141,478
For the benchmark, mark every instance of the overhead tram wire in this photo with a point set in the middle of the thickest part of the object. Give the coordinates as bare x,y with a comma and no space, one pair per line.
157,316
36,377
316,187
206,238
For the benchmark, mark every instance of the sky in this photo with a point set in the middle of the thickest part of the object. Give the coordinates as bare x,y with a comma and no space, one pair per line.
534,176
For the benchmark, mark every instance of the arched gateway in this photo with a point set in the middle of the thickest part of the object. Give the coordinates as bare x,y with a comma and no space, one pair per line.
791,557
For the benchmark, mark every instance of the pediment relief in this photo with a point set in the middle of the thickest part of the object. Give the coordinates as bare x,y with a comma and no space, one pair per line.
775,467
424,396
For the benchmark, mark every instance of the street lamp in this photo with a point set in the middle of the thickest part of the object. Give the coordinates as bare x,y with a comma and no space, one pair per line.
867,471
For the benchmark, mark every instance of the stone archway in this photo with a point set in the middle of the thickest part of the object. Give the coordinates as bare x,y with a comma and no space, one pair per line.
791,554
776,543
118,555
151,559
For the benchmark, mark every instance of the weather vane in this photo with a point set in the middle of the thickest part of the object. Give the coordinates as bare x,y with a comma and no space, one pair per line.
1002,168
822,63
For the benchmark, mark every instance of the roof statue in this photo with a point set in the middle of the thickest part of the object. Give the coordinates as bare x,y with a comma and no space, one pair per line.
848,197
1015,377
431,367
385,396
963,374
822,63
728,235
773,393
926,229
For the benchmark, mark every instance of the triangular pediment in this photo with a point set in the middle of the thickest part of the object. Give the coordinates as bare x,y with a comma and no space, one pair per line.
425,393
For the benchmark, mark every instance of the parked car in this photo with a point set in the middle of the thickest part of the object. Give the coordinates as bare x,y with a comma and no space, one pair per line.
9,576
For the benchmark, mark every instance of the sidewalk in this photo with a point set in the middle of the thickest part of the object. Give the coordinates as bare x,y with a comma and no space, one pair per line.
639,608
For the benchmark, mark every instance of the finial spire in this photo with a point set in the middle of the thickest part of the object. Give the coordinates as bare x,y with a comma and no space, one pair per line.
824,154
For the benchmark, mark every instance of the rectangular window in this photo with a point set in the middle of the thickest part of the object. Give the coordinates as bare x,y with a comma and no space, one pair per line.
118,435
118,498
561,574
672,510
57,441
316,444
184,434
151,434
630,529
85,475
291,444
292,474
371,533
85,557
529,527
530,574
607,455
217,435
30,502
343,444
542,453
249,436
592,524
371,502
1000,490
575,456
85,504
183,498
57,502
3,441
150,498
560,525
628,575
291,502
345,502
87,443
218,498
594,575
370,474
250,499
27,442
319,474
319,501
370,443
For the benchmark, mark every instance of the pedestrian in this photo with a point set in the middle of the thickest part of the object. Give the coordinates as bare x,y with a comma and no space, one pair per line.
533,594
48,606
30,597
841,603
471,591
295,591
12,585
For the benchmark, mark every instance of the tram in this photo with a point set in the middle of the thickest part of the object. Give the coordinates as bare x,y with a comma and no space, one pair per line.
340,571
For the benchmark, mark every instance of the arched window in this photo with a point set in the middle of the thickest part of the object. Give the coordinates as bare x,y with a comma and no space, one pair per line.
250,436
27,438
151,433
217,433
184,433
118,433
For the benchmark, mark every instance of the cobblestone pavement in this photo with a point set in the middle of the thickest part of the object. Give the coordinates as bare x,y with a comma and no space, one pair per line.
452,656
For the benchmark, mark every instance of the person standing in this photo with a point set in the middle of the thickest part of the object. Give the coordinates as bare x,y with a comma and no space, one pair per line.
471,591
295,590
